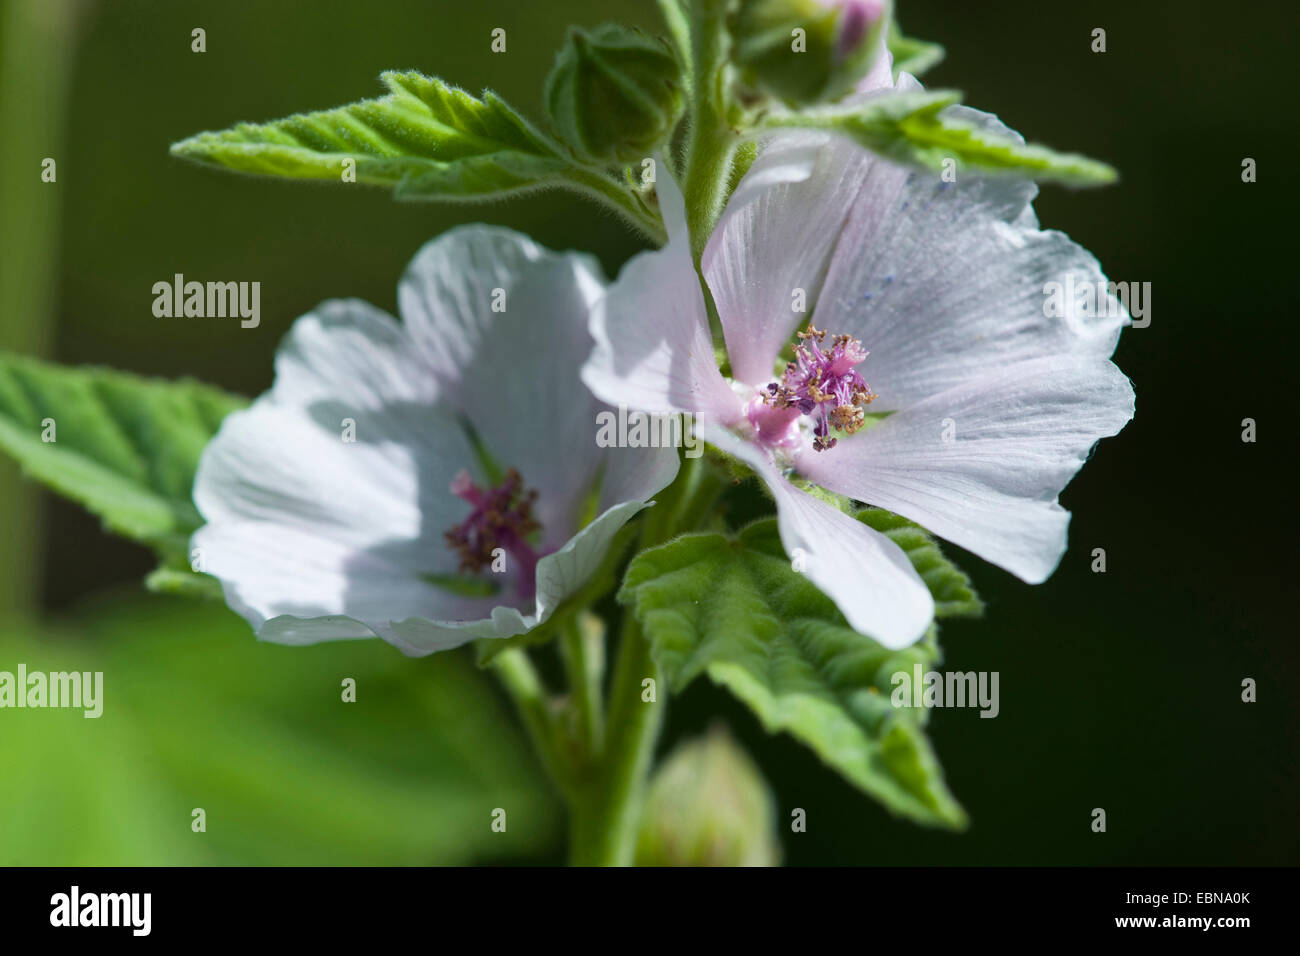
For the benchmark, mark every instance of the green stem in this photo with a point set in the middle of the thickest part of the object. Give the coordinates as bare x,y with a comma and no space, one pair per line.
582,647
701,484
607,808
711,144
607,803
522,683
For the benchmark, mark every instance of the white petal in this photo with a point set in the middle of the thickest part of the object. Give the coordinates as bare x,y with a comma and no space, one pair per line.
881,75
1019,434
418,636
318,538
775,237
943,282
342,372
298,587
866,574
636,474
653,348
562,573
514,373
348,352
783,158
447,293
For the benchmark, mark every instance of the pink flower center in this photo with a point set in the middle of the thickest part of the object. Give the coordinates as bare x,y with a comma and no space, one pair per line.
500,517
820,383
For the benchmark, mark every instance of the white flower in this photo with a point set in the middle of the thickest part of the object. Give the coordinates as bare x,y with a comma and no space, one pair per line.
992,405
459,414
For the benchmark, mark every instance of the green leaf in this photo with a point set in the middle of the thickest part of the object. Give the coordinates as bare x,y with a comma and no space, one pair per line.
910,54
426,139
953,594
123,446
916,128
734,609
198,714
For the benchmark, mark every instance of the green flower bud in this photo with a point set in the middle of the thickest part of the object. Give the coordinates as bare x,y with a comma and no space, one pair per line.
807,51
708,805
614,94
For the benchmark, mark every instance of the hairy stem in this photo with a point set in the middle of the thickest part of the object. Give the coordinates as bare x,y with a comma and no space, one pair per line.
711,143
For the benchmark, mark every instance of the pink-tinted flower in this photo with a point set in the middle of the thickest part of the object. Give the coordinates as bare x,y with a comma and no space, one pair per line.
980,409
431,481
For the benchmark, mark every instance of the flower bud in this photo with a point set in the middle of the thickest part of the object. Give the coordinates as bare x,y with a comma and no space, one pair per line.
614,94
708,805
807,51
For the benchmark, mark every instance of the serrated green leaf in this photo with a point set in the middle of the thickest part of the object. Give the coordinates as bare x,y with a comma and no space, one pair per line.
426,138
123,446
734,609
913,128
910,54
953,593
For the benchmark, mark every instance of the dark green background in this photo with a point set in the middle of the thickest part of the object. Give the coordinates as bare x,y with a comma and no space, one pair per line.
1120,690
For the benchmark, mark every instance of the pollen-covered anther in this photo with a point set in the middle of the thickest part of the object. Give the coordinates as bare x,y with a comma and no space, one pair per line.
823,383
501,517
848,418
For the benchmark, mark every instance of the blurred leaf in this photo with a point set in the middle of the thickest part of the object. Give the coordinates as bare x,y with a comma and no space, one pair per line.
735,609
123,446
916,128
198,715
910,54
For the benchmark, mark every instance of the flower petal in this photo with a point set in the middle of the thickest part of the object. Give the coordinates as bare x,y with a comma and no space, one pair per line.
297,587
944,281
866,574
303,524
419,636
562,573
654,351
1017,436
448,290
342,373
881,75
319,537
490,363
776,237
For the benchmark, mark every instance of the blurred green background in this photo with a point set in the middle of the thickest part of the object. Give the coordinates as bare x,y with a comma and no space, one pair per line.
1118,690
